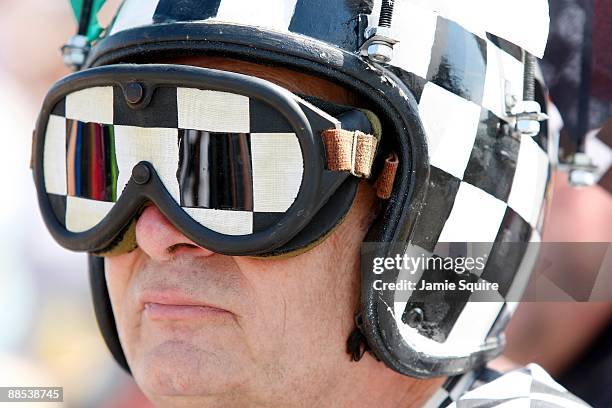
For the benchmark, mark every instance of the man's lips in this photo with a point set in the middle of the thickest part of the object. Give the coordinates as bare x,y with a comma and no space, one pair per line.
174,305
160,311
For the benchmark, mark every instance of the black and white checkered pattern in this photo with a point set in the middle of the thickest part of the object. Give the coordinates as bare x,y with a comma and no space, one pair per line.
462,60
485,185
314,18
527,387
152,134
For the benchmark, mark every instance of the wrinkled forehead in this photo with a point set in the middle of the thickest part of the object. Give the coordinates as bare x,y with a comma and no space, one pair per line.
294,81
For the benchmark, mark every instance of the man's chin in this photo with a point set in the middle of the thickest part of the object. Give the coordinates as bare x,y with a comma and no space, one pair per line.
179,368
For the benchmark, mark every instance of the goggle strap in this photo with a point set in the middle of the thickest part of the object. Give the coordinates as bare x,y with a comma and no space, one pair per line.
352,151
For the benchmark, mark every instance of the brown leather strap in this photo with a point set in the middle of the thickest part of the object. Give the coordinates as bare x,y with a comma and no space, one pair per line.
349,151
386,178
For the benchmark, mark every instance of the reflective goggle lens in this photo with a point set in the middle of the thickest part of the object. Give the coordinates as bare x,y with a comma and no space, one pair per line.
236,163
232,183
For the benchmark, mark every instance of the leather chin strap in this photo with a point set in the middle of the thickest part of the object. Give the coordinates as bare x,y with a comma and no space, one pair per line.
104,311
386,178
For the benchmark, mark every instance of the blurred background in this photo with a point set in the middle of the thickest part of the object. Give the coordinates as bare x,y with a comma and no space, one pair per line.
48,332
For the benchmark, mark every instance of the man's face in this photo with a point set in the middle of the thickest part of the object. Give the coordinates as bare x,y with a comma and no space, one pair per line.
235,329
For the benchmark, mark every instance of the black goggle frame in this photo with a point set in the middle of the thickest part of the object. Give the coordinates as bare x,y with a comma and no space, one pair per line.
318,184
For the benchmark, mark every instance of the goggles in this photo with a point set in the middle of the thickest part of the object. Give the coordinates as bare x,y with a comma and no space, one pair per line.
239,165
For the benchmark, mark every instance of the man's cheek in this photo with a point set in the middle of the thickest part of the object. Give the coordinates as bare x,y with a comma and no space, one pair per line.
267,329
119,271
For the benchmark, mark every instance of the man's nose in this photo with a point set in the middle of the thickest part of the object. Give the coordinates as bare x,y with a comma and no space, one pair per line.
160,240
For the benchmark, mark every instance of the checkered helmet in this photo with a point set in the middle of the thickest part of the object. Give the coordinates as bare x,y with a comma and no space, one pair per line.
442,79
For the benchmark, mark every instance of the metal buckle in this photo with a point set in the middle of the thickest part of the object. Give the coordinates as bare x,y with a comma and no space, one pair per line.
75,51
